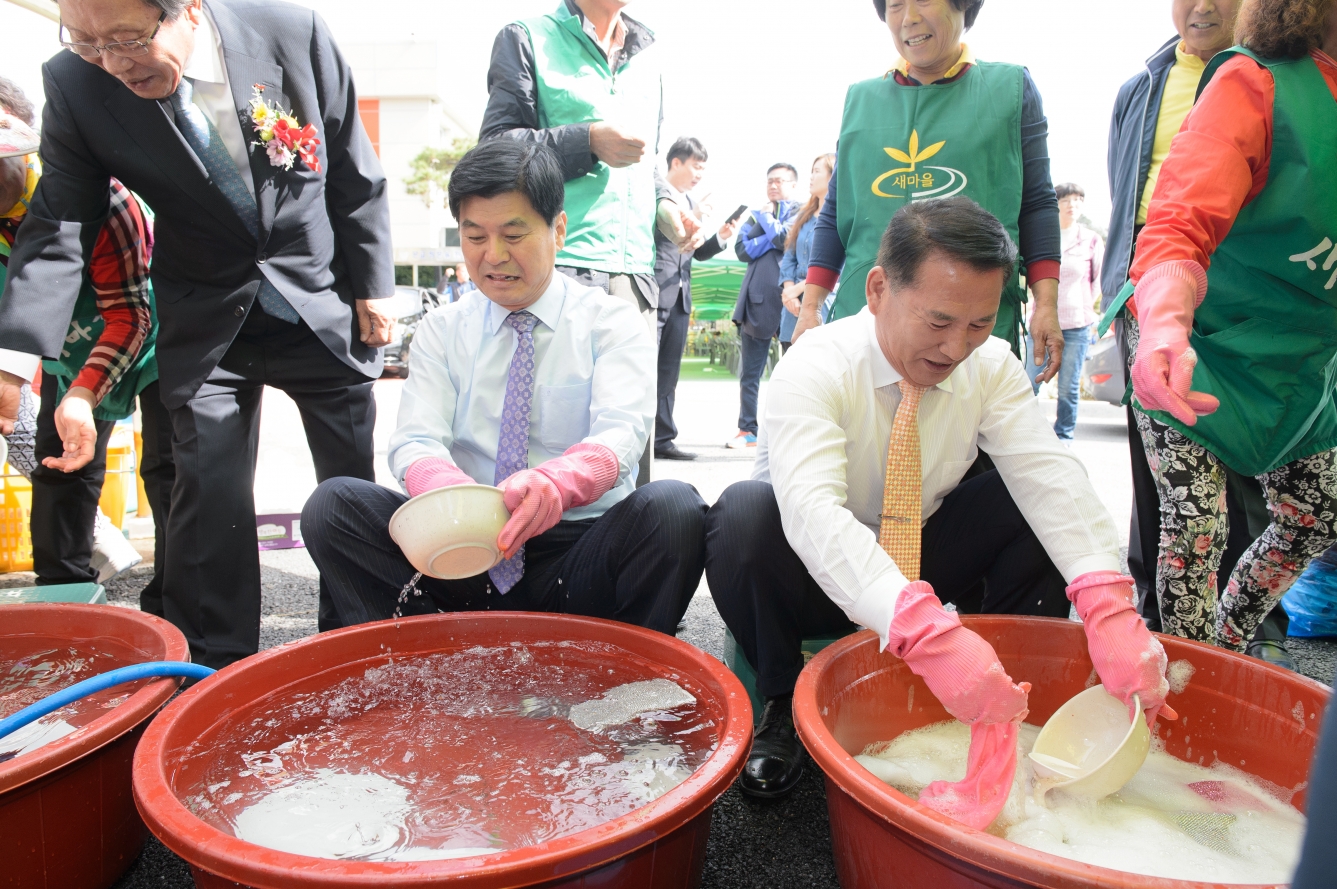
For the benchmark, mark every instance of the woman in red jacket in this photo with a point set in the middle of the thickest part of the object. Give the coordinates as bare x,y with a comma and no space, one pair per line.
1234,346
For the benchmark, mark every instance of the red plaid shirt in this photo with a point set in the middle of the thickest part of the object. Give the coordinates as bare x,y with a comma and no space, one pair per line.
119,273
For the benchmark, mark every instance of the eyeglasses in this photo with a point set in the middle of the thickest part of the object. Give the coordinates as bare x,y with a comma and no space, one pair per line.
125,48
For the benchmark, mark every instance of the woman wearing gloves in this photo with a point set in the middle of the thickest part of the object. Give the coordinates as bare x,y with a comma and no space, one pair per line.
1233,320
859,512
538,385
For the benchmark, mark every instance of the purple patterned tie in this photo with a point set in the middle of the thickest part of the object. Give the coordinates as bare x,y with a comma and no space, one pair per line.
513,442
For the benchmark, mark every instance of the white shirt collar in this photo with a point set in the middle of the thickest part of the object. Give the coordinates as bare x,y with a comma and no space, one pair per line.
547,308
206,61
617,39
883,372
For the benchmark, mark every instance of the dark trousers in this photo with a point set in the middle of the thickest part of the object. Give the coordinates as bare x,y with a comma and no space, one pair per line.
64,505
1318,856
1246,510
674,323
212,585
752,356
770,603
639,563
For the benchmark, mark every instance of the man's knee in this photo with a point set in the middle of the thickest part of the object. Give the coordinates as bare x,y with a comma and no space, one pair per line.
744,524
677,506
335,508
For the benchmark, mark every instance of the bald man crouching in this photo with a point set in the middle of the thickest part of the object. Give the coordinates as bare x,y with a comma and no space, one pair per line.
860,506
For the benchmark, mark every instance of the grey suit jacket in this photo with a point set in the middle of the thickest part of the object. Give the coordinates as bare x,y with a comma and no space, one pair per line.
324,237
673,269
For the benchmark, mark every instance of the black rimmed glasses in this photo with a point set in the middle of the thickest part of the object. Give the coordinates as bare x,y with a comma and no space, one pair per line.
124,48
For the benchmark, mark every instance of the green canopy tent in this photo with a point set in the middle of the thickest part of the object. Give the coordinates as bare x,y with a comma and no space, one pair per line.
715,286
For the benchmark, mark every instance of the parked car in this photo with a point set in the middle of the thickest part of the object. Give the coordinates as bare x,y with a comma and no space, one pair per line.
407,306
1104,375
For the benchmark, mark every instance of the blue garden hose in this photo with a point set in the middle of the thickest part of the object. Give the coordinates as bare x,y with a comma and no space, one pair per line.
79,690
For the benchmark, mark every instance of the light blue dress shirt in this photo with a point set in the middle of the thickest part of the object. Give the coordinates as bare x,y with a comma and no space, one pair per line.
594,373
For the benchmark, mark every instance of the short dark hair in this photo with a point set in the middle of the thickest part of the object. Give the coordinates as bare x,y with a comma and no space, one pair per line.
504,165
173,8
15,102
793,171
1063,189
957,227
686,148
971,8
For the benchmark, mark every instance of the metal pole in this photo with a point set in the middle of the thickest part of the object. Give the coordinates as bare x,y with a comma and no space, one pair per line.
46,8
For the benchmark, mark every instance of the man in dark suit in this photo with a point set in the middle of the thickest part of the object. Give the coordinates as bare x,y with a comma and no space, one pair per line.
761,245
269,255
673,273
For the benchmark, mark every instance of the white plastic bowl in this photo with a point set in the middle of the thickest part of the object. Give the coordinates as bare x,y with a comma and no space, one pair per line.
451,533
1091,744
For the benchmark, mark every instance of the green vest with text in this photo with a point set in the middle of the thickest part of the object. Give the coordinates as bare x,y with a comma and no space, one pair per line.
610,211
911,143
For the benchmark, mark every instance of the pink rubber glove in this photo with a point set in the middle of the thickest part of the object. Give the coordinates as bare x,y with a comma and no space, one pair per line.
431,473
1166,298
959,667
538,497
992,763
1129,660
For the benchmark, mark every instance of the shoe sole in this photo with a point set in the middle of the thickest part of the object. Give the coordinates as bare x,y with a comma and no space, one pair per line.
771,794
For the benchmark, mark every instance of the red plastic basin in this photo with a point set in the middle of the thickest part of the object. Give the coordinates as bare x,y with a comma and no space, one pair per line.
1239,710
67,817
660,845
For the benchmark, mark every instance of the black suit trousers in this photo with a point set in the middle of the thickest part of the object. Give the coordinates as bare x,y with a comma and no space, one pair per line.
212,583
639,563
977,551
674,323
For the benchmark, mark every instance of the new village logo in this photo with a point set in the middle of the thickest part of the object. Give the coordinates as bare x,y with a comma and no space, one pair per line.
923,183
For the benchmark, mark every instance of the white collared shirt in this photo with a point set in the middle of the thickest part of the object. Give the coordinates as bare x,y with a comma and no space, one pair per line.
213,94
823,442
594,381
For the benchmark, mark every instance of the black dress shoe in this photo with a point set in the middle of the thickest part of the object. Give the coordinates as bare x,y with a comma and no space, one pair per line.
1271,652
671,452
776,761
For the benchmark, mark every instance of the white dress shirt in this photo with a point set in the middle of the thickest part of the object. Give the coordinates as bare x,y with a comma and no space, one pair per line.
822,445
213,95
594,381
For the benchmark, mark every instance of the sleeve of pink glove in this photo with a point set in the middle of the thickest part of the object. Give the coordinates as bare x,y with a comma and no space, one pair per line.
1165,300
537,497
959,667
990,768
1129,660
431,473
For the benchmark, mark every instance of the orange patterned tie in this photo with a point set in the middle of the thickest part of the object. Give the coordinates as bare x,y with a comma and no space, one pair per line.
903,492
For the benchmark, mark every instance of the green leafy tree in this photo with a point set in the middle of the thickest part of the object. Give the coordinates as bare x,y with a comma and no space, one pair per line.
429,172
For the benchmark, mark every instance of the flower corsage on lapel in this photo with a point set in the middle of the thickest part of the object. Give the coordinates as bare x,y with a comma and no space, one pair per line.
283,139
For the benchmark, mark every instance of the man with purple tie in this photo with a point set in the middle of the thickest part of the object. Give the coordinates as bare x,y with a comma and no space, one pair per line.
545,388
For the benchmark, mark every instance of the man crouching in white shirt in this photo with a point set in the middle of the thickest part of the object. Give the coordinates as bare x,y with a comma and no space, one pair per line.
543,387
858,510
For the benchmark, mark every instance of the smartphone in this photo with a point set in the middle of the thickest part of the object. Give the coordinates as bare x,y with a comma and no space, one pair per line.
742,208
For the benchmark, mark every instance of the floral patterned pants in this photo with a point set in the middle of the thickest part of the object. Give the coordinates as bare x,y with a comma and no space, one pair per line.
1301,497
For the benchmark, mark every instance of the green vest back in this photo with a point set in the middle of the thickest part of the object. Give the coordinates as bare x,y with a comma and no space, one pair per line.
1266,333
911,143
610,212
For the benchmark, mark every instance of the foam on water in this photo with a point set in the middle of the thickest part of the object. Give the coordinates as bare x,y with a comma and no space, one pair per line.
453,755
1174,819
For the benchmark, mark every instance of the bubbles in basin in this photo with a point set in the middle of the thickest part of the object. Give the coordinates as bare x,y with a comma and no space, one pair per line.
1179,673
453,754
1174,819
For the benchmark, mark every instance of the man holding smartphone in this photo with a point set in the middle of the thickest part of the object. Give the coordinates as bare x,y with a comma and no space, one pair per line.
673,272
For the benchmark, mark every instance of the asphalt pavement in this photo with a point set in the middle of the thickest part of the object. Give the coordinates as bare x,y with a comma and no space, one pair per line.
753,844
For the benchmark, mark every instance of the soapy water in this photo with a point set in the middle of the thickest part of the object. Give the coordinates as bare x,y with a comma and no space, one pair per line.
1174,819
35,667
452,755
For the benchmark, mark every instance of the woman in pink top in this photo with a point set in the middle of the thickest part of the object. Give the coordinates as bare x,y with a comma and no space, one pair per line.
1078,294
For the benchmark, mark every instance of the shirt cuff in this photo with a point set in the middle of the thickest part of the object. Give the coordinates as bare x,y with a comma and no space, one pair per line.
1087,564
20,364
1042,269
876,605
826,278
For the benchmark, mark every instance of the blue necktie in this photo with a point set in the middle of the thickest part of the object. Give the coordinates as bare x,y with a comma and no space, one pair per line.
209,148
513,439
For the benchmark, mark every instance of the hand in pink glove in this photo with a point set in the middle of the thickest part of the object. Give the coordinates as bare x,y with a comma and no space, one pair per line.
959,667
980,796
1129,660
431,473
1163,369
537,497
